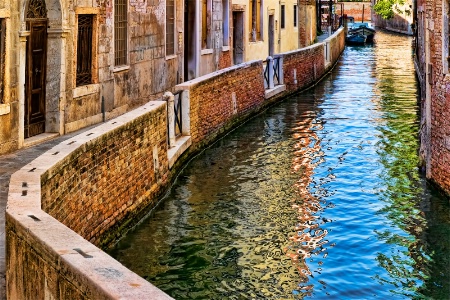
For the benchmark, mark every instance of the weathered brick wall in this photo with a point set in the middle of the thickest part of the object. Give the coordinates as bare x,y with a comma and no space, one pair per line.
212,98
225,60
355,10
438,142
308,64
109,179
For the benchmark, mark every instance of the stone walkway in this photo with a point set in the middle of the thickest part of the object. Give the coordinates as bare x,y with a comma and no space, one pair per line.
8,165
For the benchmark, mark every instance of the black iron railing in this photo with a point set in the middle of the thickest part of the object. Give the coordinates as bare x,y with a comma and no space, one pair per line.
273,72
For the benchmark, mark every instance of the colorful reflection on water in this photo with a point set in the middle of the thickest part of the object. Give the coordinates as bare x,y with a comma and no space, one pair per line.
319,197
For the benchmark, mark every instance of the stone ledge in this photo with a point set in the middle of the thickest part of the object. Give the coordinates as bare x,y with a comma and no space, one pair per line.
85,90
5,109
269,93
40,138
181,144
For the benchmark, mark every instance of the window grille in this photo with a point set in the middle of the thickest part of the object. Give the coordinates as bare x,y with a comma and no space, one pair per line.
170,27
2,58
282,23
120,32
84,49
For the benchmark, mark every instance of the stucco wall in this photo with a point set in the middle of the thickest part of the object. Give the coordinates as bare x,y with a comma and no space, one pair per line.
99,183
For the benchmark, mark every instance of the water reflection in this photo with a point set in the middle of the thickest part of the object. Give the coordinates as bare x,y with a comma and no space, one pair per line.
320,197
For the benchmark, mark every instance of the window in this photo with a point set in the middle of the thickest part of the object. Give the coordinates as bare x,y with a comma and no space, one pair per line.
206,24
120,32
226,22
255,20
84,49
295,15
283,12
170,27
2,58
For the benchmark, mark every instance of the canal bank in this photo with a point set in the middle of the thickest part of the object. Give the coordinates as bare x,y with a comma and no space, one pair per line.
318,197
87,191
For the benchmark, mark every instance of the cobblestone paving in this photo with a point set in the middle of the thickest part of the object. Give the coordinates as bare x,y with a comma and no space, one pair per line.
10,163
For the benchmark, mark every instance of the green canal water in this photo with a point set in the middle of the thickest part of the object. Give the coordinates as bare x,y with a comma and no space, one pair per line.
320,197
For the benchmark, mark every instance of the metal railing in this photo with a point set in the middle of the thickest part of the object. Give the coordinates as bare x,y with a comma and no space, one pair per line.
174,116
177,112
273,71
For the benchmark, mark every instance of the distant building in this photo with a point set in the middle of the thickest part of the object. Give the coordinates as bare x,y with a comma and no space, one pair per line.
432,52
65,65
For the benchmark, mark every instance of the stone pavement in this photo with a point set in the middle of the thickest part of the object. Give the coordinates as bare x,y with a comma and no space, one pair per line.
10,163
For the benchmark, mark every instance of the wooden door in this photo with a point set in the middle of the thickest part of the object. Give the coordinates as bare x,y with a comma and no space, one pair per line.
35,73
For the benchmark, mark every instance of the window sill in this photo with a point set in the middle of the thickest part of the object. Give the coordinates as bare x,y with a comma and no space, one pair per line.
85,90
225,48
257,42
206,51
121,69
169,57
5,109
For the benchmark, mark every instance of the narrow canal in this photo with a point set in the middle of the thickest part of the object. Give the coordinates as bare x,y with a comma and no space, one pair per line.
319,197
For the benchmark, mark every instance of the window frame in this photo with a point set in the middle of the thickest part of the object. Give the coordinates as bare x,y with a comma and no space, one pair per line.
91,44
121,61
206,24
226,23
446,36
282,16
2,59
173,29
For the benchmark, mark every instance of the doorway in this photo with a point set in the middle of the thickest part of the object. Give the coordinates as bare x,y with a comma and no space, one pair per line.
35,77
190,63
238,37
271,35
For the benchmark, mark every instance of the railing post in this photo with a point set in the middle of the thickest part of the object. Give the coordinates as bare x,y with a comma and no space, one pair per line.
280,70
170,98
270,66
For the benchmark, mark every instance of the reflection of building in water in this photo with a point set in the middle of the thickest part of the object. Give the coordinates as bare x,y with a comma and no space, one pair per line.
309,237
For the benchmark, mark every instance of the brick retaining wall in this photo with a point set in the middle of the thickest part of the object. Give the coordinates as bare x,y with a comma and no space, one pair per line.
95,185
92,183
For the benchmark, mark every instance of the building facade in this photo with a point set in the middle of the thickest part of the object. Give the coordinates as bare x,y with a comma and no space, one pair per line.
432,52
402,20
69,64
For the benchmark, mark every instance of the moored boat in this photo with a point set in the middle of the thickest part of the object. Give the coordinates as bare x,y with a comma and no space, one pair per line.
363,29
355,39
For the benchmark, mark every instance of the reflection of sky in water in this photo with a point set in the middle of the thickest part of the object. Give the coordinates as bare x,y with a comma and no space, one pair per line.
319,197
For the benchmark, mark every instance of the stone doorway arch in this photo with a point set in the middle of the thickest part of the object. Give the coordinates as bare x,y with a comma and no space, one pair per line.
52,14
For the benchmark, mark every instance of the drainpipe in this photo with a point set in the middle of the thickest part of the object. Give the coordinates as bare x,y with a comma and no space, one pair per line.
298,24
279,24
